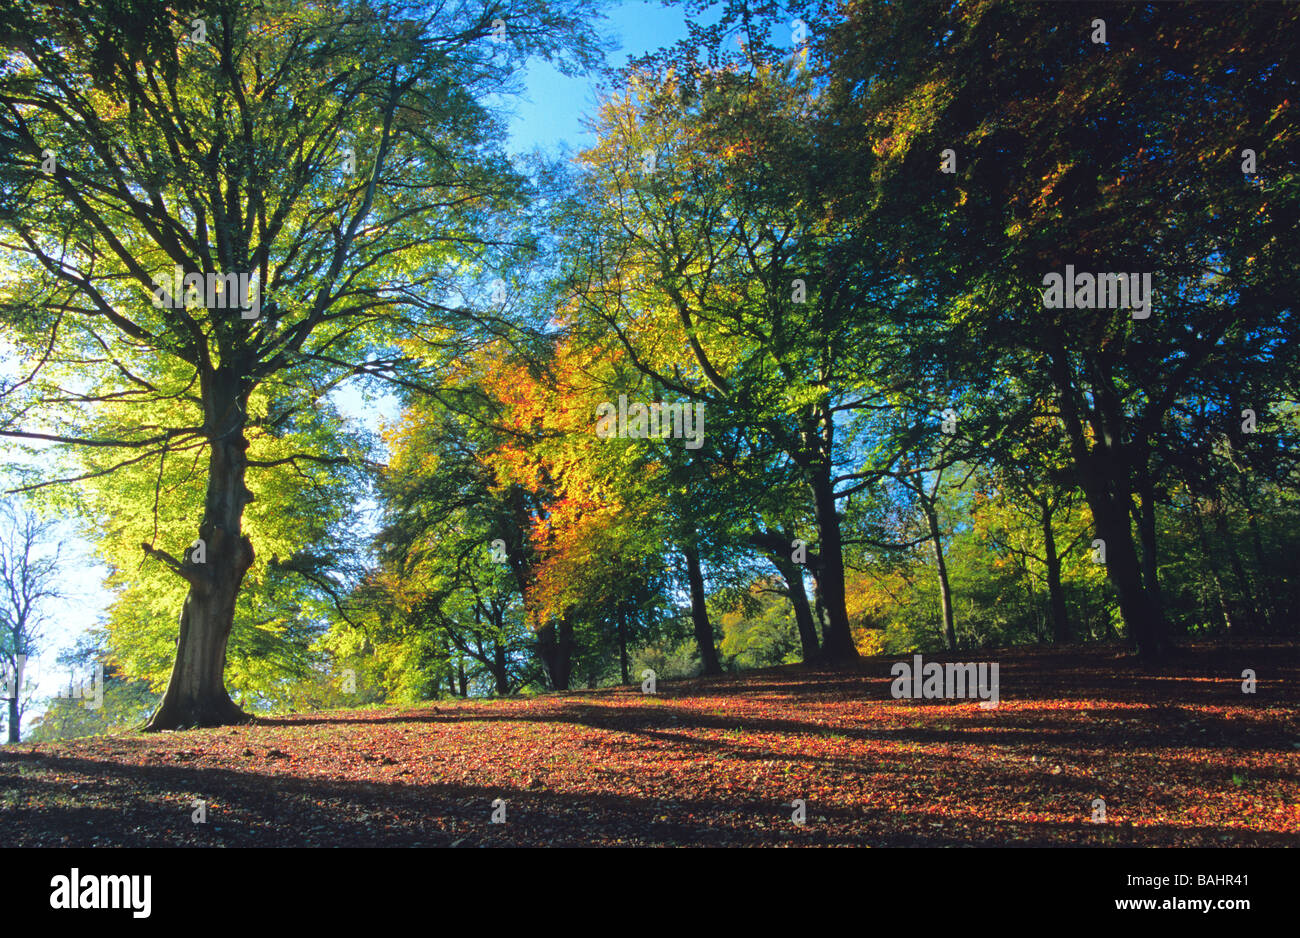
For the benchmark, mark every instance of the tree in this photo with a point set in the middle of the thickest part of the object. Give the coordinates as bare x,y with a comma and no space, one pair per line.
29,582
455,559
125,704
706,256
312,176
1120,157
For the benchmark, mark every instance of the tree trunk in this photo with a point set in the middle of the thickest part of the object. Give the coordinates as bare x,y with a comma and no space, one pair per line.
1253,617
196,693
1211,565
14,716
1143,618
793,576
819,607
622,644
1267,605
464,681
499,671
1055,592
556,652
837,645
945,591
1147,531
1105,474
700,612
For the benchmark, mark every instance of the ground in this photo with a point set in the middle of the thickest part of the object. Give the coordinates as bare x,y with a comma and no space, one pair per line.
1180,756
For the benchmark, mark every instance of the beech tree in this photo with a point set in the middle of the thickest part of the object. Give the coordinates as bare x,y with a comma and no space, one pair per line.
1143,151
704,253
312,176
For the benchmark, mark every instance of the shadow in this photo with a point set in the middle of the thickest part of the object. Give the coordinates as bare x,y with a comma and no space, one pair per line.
151,806
715,761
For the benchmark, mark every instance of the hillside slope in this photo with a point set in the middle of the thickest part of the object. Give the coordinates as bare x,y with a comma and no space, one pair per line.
1180,757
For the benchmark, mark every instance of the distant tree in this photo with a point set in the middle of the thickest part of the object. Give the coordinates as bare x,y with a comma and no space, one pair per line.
125,704
29,581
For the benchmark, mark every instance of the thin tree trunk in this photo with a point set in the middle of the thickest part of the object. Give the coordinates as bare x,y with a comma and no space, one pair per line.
565,652
1238,571
1055,592
1211,564
945,591
1147,530
793,576
1268,595
700,612
14,716
622,644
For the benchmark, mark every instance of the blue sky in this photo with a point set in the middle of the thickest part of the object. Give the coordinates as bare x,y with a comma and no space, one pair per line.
550,114
547,116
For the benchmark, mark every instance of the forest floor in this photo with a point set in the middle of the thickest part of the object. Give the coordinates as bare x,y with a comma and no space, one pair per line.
1180,755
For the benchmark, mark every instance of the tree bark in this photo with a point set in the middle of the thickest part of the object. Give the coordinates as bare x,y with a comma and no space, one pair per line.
819,607
1055,592
1253,616
14,716
499,671
1207,552
1147,532
945,591
700,612
622,644
1143,618
793,576
1105,474
196,692
1267,584
837,644
555,647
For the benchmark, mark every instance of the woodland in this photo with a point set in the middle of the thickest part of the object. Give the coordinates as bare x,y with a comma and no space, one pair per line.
819,232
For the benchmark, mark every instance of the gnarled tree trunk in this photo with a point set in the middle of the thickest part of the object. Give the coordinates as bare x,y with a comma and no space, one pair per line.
196,693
